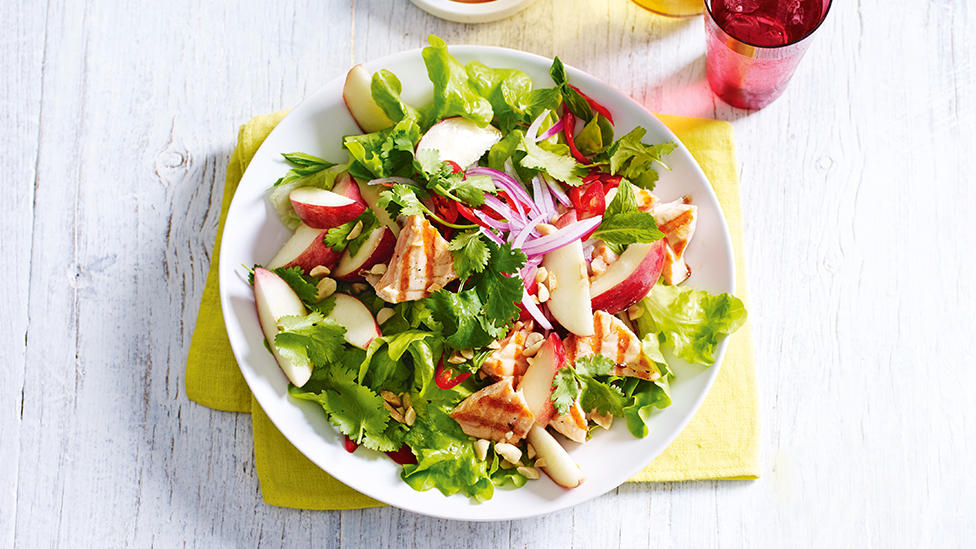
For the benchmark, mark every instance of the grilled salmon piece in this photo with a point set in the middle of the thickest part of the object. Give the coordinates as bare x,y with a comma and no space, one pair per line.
614,340
646,201
497,413
508,360
572,424
421,264
677,221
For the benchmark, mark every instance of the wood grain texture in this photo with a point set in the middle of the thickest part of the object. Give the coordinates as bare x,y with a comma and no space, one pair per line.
118,124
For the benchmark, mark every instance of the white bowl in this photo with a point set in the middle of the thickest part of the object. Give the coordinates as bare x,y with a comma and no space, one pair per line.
253,233
482,12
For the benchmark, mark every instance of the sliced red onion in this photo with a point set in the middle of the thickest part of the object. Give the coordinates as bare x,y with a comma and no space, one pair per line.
534,310
533,131
557,191
527,230
562,237
490,221
507,183
492,236
504,210
543,198
553,130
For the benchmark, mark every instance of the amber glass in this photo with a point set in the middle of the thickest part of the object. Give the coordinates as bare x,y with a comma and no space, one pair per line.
673,8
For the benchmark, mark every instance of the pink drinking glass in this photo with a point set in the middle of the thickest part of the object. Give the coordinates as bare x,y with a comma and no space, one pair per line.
753,46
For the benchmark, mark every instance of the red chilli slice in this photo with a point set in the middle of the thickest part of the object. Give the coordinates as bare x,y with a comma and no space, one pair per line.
594,105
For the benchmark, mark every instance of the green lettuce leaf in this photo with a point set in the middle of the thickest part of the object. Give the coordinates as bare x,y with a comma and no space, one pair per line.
445,458
506,89
453,95
385,88
692,321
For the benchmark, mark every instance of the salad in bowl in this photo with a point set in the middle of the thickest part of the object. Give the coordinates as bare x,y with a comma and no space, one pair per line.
487,278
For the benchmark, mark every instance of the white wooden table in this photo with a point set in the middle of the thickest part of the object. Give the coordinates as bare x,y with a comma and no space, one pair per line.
117,124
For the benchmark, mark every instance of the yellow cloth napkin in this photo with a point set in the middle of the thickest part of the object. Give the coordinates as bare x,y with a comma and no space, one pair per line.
721,442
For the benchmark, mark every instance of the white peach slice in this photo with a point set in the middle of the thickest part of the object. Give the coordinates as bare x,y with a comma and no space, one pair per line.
322,209
358,96
536,384
275,299
371,195
569,302
351,314
347,187
558,464
628,279
459,140
306,249
377,249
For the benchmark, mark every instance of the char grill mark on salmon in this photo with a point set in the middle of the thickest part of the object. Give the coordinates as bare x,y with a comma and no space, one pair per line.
614,340
508,360
421,264
497,413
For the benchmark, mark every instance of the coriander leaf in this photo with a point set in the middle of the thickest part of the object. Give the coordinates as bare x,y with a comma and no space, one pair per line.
633,159
500,288
355,410
460,314
603,397
563,168
301,284
310,340
405,197
565,389
594,365
338,237
692,321
469,252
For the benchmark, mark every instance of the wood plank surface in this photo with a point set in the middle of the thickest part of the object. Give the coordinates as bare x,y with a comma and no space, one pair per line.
118,122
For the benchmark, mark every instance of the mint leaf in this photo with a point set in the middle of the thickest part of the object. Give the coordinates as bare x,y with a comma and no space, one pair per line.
574,100
628,228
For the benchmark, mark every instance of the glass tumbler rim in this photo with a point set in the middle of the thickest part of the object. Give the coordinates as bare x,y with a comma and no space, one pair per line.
711,17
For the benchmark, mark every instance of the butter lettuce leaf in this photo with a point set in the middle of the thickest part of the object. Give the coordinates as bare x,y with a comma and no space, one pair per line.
692,321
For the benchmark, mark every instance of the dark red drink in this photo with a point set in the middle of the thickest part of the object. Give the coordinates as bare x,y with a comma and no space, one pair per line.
754,46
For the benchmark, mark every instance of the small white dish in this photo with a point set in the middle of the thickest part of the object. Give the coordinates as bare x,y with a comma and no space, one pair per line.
481,12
